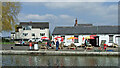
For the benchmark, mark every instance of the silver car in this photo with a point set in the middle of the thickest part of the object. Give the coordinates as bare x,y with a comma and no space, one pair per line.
35,40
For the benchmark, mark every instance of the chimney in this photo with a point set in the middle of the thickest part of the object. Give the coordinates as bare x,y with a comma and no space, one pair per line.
30,21
76,24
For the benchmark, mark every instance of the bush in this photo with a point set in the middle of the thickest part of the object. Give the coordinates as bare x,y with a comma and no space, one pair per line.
5,40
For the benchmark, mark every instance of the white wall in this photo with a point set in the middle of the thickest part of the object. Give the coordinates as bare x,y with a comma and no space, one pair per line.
37,32
68,42
101,37
115,40
106,37
12,36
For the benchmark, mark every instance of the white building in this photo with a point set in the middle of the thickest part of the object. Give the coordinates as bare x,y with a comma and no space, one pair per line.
109,34
12,35
28,30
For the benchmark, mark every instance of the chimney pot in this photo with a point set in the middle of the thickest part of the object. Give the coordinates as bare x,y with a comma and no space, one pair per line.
76,24
30,21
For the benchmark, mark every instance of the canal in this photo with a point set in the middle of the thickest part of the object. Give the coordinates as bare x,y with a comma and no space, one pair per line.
28,60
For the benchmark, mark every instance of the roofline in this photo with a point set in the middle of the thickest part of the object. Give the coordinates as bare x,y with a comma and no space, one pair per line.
85,33
85,26
12,33
64,26
34,22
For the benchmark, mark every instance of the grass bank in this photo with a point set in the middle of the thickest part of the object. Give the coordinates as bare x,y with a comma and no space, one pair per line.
14,43
7,43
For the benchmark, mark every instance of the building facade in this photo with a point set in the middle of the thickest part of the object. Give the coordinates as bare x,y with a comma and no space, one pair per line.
12,35
109,34
28,30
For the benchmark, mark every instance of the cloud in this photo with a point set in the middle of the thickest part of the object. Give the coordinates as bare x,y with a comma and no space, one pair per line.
97,13
60,0
54,20
94,11
40,17
35,17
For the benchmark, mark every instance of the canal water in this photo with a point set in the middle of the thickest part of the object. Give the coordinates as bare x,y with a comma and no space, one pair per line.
28,60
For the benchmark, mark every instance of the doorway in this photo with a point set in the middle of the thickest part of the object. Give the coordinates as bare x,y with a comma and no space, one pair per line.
117,40
94,42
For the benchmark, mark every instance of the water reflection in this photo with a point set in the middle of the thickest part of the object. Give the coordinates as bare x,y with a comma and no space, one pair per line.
25,60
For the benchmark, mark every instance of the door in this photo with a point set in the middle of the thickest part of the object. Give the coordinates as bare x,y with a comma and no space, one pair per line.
97,41
117,40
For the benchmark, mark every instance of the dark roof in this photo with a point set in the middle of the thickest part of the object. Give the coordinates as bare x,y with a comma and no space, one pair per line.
35,24
85,30
12,32
85,24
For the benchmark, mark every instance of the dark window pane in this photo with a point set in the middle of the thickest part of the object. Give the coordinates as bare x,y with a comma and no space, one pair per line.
76,40
42,34
33,34
25,34
111,38
42,28
27,27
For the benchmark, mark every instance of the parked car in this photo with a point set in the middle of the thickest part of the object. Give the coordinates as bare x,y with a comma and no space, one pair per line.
32,40
109,44
17,43
38,40
35,40
114,45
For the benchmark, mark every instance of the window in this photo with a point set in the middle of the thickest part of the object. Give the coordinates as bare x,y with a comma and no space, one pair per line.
25,34
33,34
42,28
23,28
76,40
27,27
111,38
42,34
63,39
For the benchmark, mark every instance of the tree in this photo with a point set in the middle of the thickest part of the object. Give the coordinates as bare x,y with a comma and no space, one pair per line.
10,10
16,30
0,16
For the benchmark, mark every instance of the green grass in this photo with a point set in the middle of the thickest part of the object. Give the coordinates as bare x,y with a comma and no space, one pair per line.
14,43
7,43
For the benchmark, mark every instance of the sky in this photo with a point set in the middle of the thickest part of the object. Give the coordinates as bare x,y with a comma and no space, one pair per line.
65,13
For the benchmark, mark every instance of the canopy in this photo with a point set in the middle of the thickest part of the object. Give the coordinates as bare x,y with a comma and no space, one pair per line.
58,37
83,39
46,38
72,38
93,35
89,37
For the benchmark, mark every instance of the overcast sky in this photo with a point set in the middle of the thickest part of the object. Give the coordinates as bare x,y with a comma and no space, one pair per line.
64,13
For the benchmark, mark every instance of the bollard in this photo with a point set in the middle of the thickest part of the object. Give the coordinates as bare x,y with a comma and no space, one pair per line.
11,47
